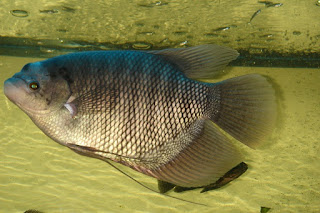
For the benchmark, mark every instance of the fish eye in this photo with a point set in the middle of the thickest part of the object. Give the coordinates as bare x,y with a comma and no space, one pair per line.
34,85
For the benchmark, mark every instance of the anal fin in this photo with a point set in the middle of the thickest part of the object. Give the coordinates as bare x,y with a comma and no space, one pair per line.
231,175
183,189
207,158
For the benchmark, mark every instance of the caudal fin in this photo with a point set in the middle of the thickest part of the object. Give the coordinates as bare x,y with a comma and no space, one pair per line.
246,108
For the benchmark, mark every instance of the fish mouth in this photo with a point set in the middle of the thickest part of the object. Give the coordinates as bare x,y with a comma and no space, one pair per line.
12,89
15,89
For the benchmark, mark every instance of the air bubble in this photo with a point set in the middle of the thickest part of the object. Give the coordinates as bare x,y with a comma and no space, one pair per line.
296,33
49,11
141,46
19,13
184,43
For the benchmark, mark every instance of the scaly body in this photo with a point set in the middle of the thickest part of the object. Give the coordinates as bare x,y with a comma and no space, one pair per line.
144,110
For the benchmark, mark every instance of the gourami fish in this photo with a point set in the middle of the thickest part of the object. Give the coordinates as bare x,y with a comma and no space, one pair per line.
144,109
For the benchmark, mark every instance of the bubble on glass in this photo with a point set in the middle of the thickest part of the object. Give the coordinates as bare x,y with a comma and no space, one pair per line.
184,43
255,50
161,3
152,4
180,32
19,13
62,30
296,33
266,36
46,50
221,29
254,15
141,46
68,9
275,5
270,4
52,11
211,35
146,33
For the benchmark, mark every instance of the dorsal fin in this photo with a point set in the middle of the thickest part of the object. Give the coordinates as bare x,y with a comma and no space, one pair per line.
204,61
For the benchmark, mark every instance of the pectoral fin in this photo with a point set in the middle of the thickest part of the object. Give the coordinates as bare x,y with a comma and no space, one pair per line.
71,107
84,150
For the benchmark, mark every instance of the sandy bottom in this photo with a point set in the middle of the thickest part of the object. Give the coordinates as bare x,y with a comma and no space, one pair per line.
284,174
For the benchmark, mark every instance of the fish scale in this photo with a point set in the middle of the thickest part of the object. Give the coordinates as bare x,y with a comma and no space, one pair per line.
146,110
119,138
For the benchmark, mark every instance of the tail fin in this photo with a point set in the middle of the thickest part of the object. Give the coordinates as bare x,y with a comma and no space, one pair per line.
246,108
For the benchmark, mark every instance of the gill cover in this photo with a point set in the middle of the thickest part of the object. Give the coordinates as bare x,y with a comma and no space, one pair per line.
38,88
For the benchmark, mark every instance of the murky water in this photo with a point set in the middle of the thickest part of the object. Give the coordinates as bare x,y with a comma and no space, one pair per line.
37,173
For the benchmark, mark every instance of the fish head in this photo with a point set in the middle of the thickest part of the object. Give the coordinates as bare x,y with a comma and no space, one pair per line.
38,88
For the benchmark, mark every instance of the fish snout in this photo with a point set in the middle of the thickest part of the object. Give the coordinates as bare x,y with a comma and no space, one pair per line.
12,89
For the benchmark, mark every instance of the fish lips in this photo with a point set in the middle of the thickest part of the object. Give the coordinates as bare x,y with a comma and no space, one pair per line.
13,89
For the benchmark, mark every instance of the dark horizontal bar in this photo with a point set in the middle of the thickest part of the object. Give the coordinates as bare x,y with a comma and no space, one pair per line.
49,48
275,59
